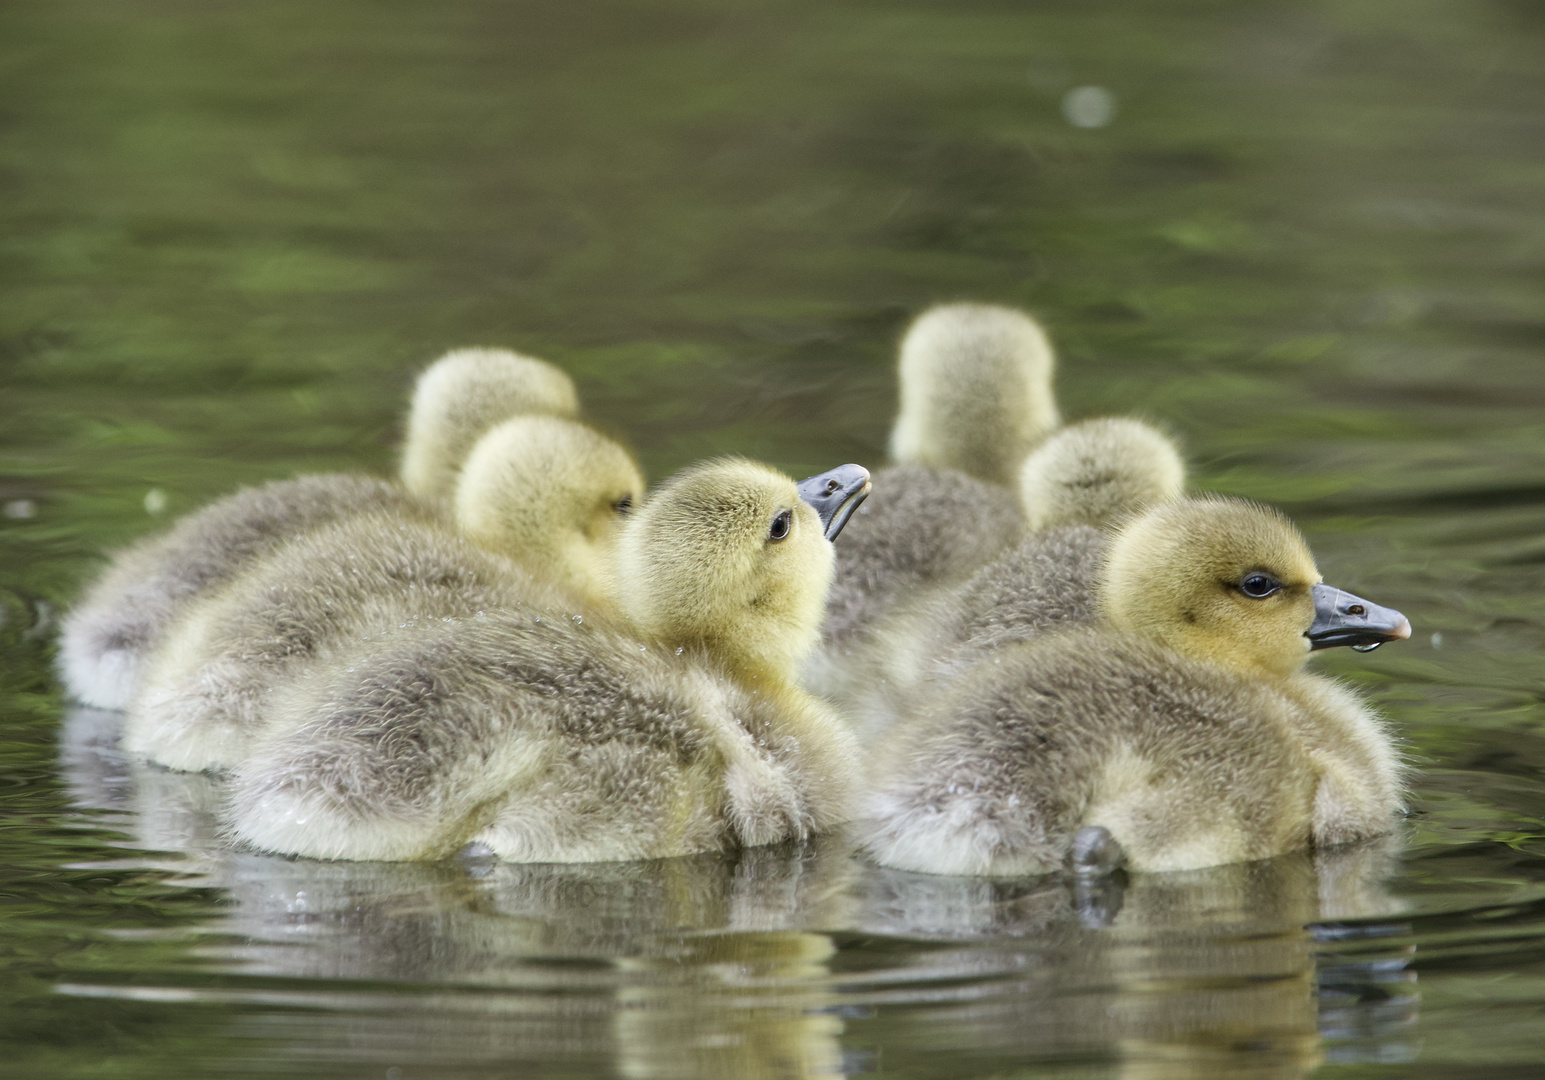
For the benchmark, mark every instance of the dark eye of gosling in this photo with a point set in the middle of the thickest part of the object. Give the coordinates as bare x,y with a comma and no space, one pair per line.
1259,586
623,505
780,525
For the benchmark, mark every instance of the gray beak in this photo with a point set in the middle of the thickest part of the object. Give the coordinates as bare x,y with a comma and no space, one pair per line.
1343,619
835,495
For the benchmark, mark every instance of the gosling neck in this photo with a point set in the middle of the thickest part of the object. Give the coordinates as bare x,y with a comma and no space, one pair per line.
1244,658
1254,658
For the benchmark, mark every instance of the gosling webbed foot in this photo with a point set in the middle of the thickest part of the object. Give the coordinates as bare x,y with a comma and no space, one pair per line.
1096,852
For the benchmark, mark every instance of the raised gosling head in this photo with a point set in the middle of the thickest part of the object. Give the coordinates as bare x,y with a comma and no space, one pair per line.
976,391
463,394
734,557
553,495
1232,582
1097,471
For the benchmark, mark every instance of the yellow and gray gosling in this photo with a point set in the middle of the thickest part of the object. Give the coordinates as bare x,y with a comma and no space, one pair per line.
544,738
1081,480
976,395
125,612
1085,479
462,395
976,392
540,505
1096,472
1179,733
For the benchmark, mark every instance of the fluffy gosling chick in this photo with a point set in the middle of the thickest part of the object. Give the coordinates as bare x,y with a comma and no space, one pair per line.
123,615
1181,733
462,395
976,391
540,505
1097,471
550,739
905,642
976,395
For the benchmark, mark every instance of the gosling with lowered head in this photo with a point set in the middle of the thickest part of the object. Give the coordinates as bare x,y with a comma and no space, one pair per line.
540,505
108,635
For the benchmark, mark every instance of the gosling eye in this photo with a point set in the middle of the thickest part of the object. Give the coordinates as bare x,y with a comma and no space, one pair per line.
623,505
1259,586
781,525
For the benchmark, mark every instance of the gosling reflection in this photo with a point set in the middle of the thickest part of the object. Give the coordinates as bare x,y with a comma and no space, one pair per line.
170,814
681,967
1221,972
772,961
750,1005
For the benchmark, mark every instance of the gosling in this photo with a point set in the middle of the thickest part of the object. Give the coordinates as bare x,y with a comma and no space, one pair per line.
1180,732
540,505
1087,477
976,395
543,738
106,639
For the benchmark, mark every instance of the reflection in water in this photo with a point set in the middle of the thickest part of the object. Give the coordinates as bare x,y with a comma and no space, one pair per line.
783,962
1188,974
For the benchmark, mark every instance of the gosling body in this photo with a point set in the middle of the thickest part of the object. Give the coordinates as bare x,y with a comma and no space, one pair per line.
976,395
547,495
1175,731
547,738
541,739
902,636
121,619
208,690
108,636
922,529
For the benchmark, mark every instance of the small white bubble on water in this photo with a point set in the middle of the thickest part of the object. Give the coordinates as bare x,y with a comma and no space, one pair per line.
20,509
155,502
1437,639
1089,106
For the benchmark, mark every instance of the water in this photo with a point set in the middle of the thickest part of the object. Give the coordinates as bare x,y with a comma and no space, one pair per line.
1307,237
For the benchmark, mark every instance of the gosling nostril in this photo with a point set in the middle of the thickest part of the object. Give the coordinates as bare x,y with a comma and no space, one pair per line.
831,486
1357,609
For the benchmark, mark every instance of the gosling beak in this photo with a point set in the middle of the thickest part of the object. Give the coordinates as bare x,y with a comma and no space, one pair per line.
835,495
1343,619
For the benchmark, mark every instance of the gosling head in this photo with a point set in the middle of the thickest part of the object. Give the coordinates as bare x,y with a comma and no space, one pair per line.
734,557
1232,583
1097,472
552,494
463,394
976,391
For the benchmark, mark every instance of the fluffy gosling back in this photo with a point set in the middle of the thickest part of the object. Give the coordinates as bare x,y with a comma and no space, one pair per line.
546,493
109,634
